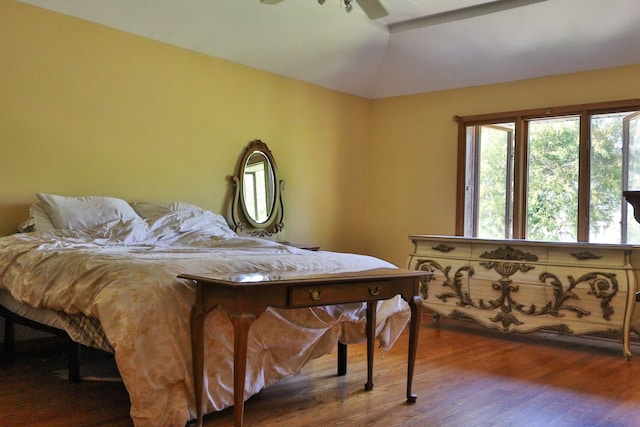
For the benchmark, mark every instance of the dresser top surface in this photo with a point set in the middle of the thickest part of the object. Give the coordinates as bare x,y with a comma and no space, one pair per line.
520,242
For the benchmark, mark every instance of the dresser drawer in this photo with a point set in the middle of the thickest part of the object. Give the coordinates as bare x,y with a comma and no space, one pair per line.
442,248
303,296
588,256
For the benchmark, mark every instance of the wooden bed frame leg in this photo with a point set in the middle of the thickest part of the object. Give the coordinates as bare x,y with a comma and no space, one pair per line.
10,321
74,351
9,341
342,359
371,342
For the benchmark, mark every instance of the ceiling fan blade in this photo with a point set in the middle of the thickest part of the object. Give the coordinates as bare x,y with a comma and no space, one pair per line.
270,1
373,8
460,14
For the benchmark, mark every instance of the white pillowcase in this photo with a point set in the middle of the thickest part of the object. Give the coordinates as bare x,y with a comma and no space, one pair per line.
154,210
181,222
41,220
85,212
38,220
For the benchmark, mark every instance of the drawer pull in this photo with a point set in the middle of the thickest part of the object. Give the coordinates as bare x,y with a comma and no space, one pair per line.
585,255
374,291
315,294
443,248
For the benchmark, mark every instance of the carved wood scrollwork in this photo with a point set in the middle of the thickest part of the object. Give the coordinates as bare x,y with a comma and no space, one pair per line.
423,265
455,283
603,286
509,253
560,329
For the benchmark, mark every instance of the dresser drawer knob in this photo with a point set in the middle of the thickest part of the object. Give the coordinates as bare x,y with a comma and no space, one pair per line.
315,294
585,255
443,248
374,291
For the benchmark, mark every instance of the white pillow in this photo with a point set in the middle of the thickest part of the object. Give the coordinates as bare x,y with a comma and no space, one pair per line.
85,212
38,220
154,210
181,222
41,220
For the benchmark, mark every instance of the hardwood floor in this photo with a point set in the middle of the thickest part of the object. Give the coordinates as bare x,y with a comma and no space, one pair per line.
465,375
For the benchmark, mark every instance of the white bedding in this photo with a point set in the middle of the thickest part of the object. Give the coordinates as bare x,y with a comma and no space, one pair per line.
124,274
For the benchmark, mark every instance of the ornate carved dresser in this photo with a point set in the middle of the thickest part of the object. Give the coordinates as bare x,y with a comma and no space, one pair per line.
524,286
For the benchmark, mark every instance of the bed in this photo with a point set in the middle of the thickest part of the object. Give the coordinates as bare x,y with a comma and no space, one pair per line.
115,264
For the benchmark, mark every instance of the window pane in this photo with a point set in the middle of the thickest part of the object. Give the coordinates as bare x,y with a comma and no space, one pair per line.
495,182
633,136
615,166
552,190
633,128
605,196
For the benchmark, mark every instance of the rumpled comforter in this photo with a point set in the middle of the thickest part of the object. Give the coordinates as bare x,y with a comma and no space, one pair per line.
126,278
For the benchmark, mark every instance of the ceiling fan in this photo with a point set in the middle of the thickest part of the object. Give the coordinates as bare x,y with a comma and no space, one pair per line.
372,8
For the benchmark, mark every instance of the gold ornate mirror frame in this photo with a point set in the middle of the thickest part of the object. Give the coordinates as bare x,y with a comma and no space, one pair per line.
257,208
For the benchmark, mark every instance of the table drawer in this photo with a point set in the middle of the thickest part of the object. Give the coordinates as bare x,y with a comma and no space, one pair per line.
303,296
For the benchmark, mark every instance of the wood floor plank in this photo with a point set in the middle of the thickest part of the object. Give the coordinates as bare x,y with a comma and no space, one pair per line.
465,375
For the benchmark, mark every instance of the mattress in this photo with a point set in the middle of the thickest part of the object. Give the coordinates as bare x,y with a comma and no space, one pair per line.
40,315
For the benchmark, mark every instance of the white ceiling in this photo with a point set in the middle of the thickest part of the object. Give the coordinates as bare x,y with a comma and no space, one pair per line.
324,45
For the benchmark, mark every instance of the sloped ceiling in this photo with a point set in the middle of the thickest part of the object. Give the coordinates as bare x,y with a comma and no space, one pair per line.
403,53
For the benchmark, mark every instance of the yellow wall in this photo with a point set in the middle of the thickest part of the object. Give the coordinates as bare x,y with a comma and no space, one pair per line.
414,146
85,109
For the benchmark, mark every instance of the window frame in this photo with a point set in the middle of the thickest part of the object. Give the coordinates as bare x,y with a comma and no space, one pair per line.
521,120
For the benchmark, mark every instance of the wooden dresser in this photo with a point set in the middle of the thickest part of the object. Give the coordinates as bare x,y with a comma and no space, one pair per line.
524,286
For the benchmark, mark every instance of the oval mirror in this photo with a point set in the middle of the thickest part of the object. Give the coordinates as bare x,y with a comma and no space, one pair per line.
257,204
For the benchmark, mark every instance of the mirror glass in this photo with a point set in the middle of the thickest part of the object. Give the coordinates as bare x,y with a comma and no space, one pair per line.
258,185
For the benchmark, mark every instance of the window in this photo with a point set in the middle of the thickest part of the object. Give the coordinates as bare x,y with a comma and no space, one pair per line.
552,174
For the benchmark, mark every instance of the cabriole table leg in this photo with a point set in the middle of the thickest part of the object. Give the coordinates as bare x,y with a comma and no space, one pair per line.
414,330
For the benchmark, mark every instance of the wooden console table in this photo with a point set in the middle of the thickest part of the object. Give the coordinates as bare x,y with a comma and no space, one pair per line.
245,297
